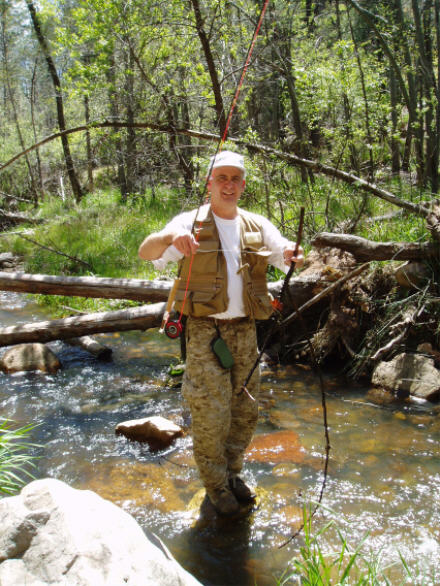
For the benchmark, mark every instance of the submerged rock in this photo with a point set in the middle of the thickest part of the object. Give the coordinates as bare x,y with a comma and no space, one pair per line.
272,448
139,485
54,534
409,374
156,430
381,396
24,357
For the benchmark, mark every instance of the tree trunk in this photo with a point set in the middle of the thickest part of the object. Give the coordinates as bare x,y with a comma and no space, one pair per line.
216,88
34,129
366,104
282,43
402,41
114,113
88,145
408,93
131,133
76,188
395,149
354,159
14,108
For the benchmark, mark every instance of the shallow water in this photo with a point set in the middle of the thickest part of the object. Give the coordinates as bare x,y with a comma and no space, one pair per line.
384,475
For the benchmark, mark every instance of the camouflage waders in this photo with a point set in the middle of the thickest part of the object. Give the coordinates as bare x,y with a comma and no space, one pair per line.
223,421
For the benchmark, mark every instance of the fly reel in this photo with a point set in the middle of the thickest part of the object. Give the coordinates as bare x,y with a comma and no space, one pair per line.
173,329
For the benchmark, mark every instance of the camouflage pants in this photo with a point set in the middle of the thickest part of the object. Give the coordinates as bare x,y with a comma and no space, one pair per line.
223,421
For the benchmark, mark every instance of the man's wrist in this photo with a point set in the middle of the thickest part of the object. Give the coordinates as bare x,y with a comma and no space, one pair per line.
287,251
168,238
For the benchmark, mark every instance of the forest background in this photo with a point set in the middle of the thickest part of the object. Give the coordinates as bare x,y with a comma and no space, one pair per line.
110,109
127,99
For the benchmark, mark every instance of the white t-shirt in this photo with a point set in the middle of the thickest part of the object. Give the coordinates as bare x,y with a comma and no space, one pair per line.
229,233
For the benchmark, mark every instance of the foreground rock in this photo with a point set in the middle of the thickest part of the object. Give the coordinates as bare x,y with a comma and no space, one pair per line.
155,430
30,357
54,534
409,374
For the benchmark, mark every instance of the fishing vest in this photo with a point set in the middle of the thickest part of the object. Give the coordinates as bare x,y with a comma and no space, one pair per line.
207,289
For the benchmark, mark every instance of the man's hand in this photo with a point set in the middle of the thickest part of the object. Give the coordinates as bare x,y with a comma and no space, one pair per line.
185,243
289,255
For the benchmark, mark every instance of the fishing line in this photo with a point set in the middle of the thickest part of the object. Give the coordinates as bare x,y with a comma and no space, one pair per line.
277,306
171,327
318,369
276,325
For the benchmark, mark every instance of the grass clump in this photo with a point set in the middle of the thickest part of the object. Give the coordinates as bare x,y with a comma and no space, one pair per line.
100,236
316,565
15,460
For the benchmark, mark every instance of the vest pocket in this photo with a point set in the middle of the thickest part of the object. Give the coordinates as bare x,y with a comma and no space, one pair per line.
200,303
260,300
253,239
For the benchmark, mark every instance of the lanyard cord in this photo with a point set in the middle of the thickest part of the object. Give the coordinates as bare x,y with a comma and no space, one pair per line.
276,325
221,143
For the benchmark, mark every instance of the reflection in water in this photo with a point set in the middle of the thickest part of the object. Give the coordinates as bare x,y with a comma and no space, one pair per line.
384,475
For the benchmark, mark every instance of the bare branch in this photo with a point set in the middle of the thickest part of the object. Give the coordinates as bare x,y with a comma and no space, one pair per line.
291,159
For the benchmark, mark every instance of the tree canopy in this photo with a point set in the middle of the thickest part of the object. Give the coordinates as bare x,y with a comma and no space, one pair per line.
353,85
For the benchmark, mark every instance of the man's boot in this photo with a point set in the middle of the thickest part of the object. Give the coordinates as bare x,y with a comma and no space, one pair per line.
223,501
241,491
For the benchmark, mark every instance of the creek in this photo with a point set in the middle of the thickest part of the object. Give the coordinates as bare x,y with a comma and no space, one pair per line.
384,477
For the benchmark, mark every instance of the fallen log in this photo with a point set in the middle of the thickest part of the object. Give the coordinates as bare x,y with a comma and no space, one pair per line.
290,158
134,289
18,218
365,250
133,318
107,288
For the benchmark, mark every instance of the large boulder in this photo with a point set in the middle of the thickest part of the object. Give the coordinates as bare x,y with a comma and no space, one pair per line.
29,357
54,534
409,374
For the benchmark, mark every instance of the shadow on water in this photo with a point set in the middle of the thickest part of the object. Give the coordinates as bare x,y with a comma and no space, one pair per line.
384,475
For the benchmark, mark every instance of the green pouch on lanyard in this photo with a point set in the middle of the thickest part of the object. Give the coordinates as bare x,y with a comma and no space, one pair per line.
222,352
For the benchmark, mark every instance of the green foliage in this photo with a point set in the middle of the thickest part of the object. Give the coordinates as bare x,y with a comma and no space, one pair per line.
319,565
99,237
14,459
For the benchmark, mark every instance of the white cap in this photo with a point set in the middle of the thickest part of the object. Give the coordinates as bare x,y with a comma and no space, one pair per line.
227,159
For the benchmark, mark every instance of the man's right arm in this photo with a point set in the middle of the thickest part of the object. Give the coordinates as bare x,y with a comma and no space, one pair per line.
154,245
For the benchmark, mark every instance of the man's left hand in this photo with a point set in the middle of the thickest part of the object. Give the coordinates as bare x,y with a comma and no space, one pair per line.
289,256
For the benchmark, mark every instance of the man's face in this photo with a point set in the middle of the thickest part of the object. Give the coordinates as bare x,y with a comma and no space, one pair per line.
226,185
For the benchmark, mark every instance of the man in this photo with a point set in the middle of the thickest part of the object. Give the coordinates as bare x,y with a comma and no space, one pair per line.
223,252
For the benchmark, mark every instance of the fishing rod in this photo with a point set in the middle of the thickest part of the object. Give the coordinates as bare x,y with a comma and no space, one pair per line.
174,328
277,305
